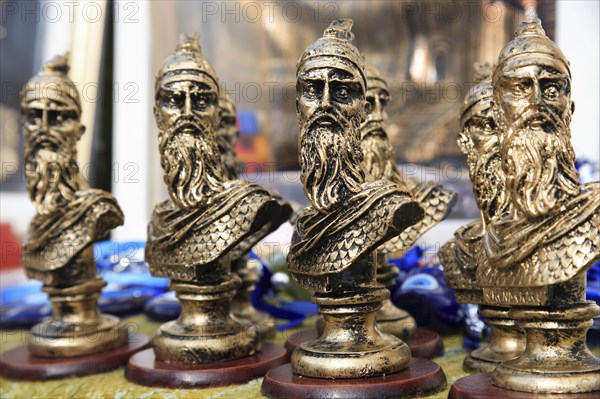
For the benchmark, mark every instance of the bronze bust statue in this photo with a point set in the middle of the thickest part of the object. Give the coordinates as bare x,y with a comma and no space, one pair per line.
348,218
539,250
461,256
380,163
70,217
209,220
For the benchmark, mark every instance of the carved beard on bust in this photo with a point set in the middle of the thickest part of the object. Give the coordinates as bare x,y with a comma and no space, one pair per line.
486,174
330,160
191,164
52,173
226,140
378,155
540,163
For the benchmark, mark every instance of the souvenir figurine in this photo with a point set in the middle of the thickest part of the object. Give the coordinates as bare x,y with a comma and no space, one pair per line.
335,238
193,234
58,250
539,250
460,257
379,163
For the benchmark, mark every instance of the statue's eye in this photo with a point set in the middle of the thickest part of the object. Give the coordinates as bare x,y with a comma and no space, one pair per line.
384,100
34,116
173,99
551,91
342,92
489,125
311,90
371,101
521,87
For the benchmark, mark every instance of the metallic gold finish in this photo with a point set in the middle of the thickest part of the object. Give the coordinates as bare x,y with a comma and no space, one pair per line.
538,251
351,346
556,359
335,237
507,342
462,256
70,218
206,331
208,220
380,163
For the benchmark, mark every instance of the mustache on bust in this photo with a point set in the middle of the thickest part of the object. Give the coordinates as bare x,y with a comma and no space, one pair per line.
330,159
549,120
190,160
539,165
52,172
372,125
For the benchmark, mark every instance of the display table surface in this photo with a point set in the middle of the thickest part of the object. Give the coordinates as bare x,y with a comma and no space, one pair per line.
114,385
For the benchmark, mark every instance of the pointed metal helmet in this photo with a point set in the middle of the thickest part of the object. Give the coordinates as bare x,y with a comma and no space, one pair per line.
335,49
187,63
53,83
530,46
479,97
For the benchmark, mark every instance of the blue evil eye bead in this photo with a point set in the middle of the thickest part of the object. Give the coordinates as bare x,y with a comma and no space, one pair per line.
126,301
23,305
475,331
164,307
266,299
24,315
123,280
117,257
425,295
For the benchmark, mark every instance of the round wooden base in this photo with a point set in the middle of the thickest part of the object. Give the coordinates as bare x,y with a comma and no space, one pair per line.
421,378
310,334
143,369
479,386
18,364
425,344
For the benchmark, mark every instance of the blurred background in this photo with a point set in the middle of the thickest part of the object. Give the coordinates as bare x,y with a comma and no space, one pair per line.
425,50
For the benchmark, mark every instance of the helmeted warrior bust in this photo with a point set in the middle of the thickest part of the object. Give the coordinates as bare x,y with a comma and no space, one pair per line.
539,251
209,219
348,218
207,214
380,163
70,216
462,256
478,140
333,234
549,237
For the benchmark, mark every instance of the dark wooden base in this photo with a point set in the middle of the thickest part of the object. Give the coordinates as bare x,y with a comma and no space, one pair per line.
18,364
143,369
479,386
425,344
310,334
421,378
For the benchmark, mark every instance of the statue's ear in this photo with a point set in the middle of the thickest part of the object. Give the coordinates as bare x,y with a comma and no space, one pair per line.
572,107
81,130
